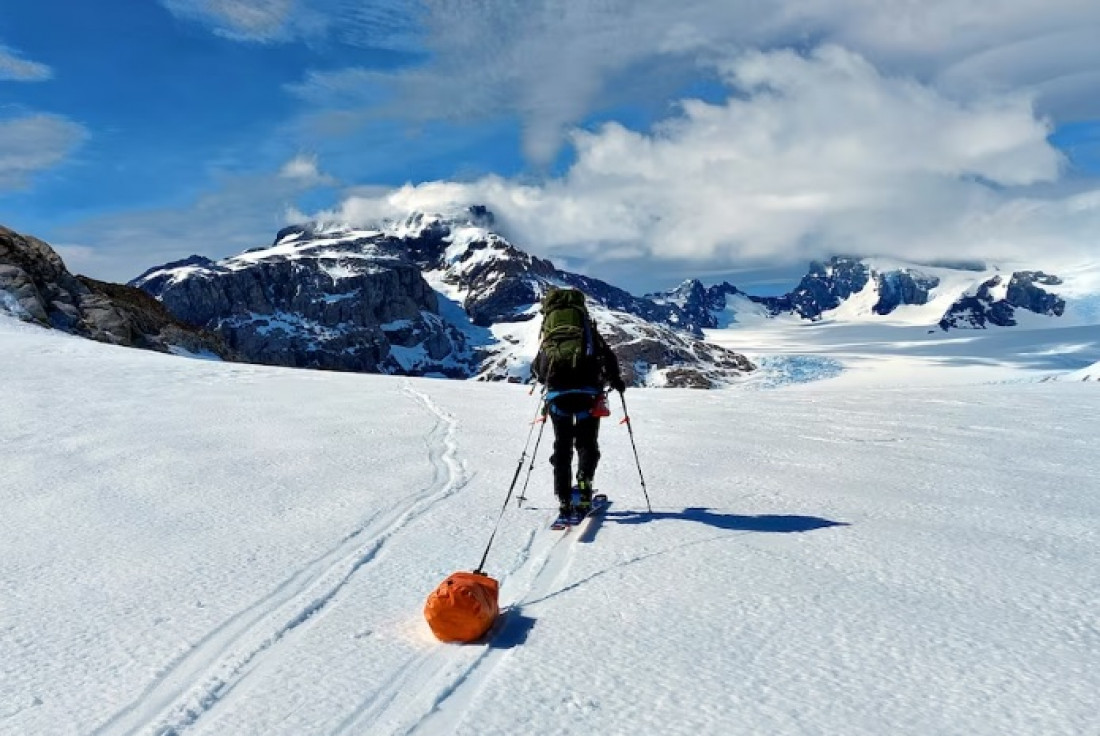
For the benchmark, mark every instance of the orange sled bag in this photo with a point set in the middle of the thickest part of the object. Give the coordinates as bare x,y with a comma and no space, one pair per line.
463,607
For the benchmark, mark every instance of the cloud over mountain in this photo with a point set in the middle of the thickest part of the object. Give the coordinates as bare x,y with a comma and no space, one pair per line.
810,154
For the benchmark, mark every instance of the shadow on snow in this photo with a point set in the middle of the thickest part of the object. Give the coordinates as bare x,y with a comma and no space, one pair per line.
765,523
510,630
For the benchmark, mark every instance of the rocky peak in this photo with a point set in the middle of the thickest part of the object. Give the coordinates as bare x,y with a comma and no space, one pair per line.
826,285
996,300
903,286
699,304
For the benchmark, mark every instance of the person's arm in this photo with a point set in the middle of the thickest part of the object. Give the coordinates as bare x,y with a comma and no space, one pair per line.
538,367
610,362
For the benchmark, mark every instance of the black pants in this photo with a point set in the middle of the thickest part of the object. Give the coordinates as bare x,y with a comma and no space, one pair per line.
582,433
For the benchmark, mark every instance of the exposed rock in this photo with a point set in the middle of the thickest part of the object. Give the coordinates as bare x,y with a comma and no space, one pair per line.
652,355
333,297
1023,291
334,303
36,286
699,304
825,287
903,287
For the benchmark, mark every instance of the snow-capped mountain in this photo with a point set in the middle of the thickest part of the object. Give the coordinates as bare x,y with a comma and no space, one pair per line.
950,296
430,295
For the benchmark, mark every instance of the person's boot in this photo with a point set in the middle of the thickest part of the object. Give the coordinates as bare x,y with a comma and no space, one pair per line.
565,507
584,495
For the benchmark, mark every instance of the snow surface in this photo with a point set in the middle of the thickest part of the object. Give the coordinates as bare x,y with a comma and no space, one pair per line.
862,354
1089,373
910,547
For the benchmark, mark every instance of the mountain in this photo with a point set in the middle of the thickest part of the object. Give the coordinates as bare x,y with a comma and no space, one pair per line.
433,294
951,296
35,286
996,300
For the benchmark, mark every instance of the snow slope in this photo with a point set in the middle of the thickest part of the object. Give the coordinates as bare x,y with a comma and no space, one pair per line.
1089,373
195,547
862,354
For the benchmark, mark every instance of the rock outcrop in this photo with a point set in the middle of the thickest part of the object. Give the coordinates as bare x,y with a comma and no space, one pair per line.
995,301
903,286
35,286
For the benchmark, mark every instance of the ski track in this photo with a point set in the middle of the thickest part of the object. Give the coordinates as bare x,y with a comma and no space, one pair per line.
196,682
431,693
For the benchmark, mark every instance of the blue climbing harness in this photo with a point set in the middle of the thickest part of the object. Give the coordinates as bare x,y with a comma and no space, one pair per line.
558,411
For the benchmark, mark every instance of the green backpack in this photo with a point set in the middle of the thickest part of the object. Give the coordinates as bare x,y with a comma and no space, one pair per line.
565,337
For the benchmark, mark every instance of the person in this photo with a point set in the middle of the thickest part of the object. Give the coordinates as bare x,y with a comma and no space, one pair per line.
574,363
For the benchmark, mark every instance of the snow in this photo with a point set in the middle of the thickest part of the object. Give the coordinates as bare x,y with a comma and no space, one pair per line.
858,307
893,354
316,247
1089,373
740,309
910,546
409,358
10,306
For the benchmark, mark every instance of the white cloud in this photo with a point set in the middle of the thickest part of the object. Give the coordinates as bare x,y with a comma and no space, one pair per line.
815,155
15,69
305,169
926,137
241,211
245,20
380,23
552,63
33,143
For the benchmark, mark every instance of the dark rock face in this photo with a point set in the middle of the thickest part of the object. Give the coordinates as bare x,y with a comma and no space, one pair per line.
823,288
684,362
361,301
1023,291
36,286
827,285
698,305
902,287
328,306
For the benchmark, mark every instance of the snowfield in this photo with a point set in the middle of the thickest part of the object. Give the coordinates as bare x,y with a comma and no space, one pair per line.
909,545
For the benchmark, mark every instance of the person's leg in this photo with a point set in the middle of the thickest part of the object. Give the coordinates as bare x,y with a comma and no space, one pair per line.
586,436
562,459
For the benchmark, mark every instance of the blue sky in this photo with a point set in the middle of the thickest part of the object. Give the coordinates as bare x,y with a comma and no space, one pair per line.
631,140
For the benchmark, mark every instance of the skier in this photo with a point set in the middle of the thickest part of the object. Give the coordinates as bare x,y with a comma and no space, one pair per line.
575,363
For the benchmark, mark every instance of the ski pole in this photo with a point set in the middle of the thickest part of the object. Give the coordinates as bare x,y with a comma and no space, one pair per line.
534,453
511,488
630,429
